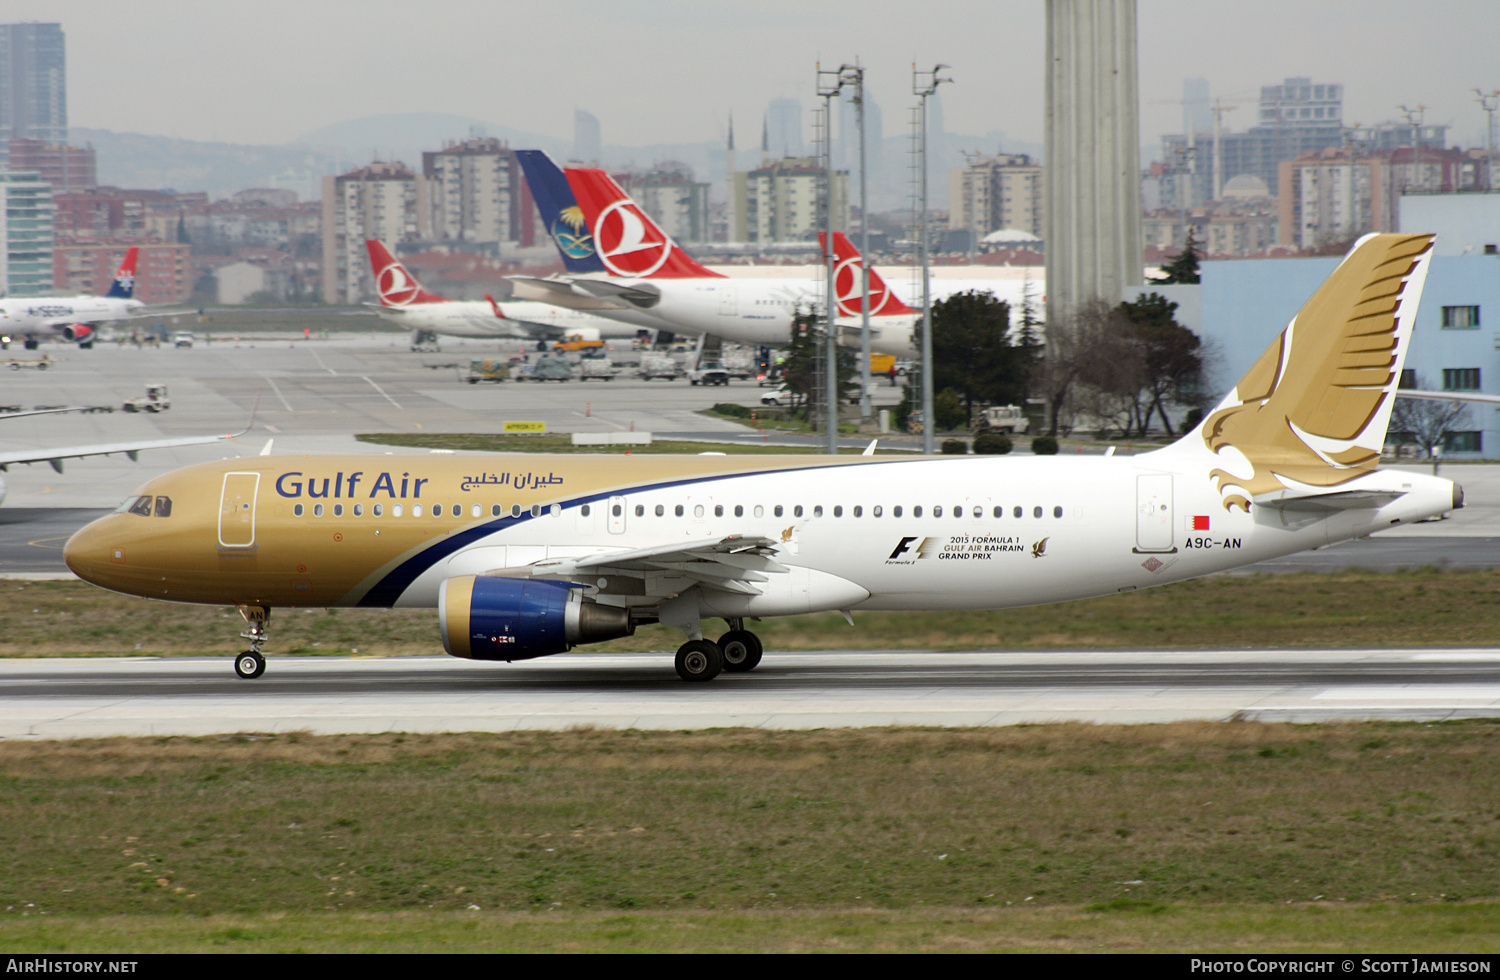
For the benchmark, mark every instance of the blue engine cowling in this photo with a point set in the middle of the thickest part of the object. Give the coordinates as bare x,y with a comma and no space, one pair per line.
487,618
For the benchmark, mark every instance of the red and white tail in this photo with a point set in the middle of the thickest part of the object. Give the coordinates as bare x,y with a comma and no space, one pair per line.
124,285
396,286
848,287
628,242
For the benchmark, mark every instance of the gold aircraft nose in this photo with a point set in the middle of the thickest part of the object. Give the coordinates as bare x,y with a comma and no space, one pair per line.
89,554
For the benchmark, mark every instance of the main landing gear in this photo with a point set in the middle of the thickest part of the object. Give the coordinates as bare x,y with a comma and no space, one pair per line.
252,663
737,651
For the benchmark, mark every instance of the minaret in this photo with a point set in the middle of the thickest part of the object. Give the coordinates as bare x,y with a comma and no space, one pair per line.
729,182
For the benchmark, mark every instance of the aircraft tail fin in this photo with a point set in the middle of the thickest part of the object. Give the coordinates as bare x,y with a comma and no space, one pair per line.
396,286
499,313
561,215
124,285
848,264
627,241
1312,411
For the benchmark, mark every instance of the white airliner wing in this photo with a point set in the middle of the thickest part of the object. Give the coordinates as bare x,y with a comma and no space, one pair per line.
42,411
55,457
560,292
732,564
642,296
1448,396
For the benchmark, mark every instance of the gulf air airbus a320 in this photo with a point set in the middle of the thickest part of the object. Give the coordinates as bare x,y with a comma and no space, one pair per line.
528,555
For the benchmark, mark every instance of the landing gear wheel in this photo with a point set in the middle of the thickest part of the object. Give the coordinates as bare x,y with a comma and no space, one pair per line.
699,660
249,665
742,651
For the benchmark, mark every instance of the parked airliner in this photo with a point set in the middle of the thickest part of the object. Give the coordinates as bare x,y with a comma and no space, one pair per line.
76,318
404,301
527,555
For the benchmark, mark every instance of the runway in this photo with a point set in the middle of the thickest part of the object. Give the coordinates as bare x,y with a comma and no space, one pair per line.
87,698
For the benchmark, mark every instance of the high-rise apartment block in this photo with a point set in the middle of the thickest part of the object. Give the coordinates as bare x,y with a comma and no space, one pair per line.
588,144
387,201
780,203
66,168
475,191
784,127
991,193
33,84
26,214
673,199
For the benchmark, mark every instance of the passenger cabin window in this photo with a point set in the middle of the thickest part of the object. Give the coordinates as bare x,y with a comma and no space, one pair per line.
296,510
496,510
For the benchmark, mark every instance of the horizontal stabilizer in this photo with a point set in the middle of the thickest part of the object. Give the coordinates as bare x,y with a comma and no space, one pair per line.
1449,396
1327,501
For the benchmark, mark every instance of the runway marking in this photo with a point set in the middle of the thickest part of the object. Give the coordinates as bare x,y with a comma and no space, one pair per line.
43,542
320,362
382,392
1412,692
277,388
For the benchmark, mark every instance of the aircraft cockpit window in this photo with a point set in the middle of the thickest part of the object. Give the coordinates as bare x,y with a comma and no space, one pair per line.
141,507
125,505
163,506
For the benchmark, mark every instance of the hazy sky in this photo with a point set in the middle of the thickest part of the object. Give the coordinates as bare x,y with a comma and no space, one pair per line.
657,71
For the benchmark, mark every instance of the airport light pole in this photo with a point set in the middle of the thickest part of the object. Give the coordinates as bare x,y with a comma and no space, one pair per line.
1489,102
830,83
924,84
1414,119
855,78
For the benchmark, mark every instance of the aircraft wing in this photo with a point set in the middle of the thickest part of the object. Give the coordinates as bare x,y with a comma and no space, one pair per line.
1449,396
55,457
42,411
560,292
642,296
731,564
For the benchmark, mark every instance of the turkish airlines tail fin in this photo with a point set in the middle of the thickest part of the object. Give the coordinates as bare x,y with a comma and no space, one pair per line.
1312,412
561,215
848,264
396,286
626,240
124,285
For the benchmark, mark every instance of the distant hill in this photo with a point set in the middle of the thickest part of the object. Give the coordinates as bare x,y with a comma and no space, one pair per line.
404,135
137,160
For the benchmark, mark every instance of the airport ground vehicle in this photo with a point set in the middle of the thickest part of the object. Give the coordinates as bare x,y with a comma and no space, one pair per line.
1009,419
487,369
548,367
40,364
708,373
154,400
596,369
780,395
660,366
182,338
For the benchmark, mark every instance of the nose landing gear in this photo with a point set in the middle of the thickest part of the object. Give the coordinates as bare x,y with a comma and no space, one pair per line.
252,663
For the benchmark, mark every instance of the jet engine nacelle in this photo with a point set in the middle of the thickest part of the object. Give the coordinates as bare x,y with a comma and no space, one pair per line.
488,618
78,331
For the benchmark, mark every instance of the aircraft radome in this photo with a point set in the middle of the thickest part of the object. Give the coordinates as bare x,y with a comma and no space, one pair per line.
529,555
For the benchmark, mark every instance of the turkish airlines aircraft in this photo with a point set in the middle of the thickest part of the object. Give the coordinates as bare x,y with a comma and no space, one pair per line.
595,224
404,301
76,318
525,556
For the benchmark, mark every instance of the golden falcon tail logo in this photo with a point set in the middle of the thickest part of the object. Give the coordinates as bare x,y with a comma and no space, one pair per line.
1314,407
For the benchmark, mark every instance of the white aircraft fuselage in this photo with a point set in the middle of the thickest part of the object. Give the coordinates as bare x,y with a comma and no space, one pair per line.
35,313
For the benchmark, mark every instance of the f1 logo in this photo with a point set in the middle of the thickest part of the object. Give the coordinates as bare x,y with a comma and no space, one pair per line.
902,548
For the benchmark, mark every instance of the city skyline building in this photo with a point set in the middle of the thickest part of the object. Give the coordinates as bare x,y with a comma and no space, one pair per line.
588,141
474,190
26,235
384,200
784,127
779,202
1005,191
66,168
33,84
